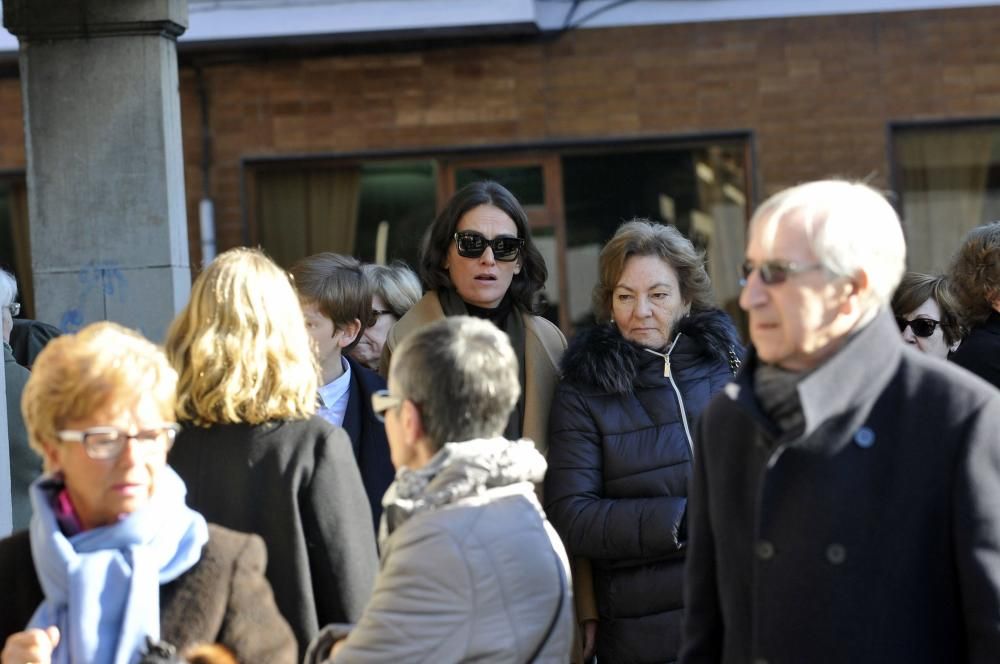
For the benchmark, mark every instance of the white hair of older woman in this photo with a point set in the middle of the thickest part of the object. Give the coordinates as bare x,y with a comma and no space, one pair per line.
8,288
8,293
849,226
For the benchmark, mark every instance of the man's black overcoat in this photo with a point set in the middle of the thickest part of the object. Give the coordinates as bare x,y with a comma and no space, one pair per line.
873,537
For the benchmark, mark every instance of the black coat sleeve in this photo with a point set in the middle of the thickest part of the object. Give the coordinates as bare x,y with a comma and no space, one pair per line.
339,537
976,514
703,628
591,524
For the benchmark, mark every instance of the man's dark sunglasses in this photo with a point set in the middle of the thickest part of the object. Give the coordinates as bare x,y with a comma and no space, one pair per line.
472,245
922,327
775,272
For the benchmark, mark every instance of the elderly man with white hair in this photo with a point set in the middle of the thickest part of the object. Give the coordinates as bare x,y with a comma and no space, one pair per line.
25,465
845,499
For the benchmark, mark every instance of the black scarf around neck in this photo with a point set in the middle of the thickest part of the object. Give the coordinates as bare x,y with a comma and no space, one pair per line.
507,317
777,393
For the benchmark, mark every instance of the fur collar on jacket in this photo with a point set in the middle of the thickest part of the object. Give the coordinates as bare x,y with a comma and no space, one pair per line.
603,358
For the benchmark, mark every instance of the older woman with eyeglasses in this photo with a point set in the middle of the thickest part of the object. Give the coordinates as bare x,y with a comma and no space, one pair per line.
113,555
395,288
478,259
925,312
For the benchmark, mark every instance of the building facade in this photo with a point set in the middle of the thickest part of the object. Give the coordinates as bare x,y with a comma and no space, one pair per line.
351,141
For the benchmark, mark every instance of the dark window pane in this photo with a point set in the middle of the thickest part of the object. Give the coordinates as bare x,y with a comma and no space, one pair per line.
950,183
545,241
525,182
700,190
14,245
303,211
403,196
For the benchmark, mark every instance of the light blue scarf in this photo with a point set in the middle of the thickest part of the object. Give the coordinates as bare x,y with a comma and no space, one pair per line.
102,586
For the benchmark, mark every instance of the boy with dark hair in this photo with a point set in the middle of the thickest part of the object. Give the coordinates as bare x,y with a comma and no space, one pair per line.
336,302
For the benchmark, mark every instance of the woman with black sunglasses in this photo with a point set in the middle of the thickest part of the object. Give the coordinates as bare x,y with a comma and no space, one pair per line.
478,259
925,312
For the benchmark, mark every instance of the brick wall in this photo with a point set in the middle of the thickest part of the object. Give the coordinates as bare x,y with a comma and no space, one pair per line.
817,93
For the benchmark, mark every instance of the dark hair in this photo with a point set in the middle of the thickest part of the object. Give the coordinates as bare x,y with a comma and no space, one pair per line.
439,236
338,287
642,237
916,288
974,276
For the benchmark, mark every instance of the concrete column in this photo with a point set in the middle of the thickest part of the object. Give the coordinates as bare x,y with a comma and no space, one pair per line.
102,121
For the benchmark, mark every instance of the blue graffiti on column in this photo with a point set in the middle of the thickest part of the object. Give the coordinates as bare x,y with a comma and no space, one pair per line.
95,275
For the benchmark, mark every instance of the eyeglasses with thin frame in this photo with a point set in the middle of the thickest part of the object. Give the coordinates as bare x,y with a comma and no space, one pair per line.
775,272
472,244
382,401
376,314
922,327
103,443
15,308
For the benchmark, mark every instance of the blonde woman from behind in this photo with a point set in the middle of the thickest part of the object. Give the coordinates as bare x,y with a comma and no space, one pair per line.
252,452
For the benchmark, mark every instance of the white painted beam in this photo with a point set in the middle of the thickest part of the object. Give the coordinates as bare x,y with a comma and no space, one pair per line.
217,21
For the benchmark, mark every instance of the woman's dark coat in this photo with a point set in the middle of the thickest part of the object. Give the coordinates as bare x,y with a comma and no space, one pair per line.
367,433
619,459
223,599
295,484
979,352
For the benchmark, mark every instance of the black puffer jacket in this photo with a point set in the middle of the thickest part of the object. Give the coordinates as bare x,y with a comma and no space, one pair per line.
619,460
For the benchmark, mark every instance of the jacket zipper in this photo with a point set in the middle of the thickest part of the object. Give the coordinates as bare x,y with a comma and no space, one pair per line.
680,400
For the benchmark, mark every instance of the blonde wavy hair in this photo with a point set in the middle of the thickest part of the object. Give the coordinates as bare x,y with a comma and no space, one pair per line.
104,366
240,346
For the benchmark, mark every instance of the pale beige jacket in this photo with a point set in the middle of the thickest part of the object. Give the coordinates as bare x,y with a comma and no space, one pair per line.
543,347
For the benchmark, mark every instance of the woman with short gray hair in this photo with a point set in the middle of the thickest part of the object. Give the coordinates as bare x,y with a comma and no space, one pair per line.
395,289
471,571
10,308
25,465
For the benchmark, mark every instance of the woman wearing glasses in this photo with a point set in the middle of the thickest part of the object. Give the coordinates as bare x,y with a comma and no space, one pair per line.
395,288
478,259
113,554
925,311
254,455
620,436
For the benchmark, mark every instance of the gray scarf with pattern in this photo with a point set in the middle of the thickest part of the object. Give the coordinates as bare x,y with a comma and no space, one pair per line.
459,471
